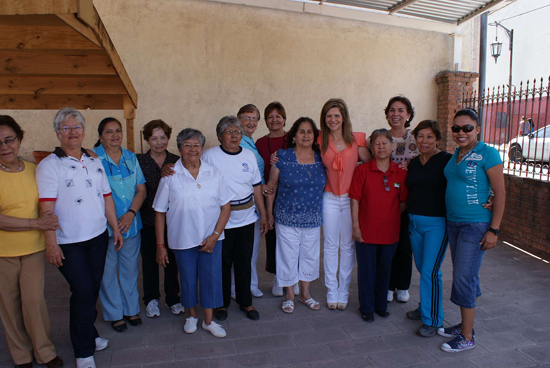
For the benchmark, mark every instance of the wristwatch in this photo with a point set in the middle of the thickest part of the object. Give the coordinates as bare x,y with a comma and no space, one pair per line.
495,231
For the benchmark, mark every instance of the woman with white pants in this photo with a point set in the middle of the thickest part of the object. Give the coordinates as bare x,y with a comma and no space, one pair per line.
341,149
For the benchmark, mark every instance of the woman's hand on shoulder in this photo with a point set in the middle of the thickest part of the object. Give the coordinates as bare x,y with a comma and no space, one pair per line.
167,170
91,153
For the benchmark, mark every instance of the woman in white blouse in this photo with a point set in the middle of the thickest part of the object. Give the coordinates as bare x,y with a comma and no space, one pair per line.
195,205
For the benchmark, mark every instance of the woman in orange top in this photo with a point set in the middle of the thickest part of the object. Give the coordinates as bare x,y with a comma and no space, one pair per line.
341,149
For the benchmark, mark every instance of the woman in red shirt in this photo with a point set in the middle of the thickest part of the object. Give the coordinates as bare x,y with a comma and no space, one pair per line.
378,195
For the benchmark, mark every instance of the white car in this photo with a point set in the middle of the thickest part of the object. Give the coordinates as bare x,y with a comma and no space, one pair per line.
532,147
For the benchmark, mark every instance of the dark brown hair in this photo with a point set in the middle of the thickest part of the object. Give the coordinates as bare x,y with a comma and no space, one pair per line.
101,128
428,124
10,122
275,106
294,130
152,125
404,100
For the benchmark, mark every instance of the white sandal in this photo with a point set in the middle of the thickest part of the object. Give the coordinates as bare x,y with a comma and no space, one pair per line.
311,303
288,306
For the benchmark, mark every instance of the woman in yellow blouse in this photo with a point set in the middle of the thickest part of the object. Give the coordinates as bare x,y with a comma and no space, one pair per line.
22,256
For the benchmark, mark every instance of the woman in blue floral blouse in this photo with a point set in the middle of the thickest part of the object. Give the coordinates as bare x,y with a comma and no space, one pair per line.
300,177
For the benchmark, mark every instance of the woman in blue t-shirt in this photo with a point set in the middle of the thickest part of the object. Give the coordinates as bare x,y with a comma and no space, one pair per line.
300,177
474,170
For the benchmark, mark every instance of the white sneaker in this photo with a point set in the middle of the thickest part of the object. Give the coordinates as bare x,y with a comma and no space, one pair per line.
297,288
390,296
403,296
175,309
214,328
100,344
87,362
256,293
153,309
191,325
276,290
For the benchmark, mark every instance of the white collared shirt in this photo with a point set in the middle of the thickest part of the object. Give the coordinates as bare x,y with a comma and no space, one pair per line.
192,206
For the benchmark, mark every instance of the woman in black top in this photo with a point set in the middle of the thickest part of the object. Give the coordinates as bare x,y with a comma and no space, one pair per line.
157,134
427,228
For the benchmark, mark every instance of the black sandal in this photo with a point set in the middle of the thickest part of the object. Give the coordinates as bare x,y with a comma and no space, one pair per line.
118,326
133,320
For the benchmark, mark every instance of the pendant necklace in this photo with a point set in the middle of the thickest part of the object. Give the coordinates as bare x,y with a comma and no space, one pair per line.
21,167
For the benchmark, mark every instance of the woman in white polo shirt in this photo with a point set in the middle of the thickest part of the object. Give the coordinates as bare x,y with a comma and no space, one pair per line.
74,186
194,203
240,170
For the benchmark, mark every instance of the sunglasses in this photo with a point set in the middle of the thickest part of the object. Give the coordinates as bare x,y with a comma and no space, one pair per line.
386,184
465,128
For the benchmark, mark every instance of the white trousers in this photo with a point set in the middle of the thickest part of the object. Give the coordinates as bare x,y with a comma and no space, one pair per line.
297,254
255,254
337,230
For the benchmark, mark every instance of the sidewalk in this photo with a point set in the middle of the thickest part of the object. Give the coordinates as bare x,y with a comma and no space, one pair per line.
512,328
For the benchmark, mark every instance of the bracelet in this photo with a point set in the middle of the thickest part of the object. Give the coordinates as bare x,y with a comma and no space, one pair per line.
160,245
134,212
215,232
30,227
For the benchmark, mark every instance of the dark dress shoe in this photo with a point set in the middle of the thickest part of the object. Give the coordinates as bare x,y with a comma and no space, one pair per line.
119,325
133,320
221,314
367,317
26,365
55,363
383,314
251,314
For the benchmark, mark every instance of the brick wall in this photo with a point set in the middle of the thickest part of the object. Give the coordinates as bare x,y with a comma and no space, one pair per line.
527,215
450,88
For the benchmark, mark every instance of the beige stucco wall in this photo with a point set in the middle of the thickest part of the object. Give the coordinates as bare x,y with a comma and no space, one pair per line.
193,62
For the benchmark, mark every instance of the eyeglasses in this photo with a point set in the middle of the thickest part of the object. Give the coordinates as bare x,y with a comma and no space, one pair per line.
189,146
67,129
250,118
386,186
465,128
114,178
231,132
8,142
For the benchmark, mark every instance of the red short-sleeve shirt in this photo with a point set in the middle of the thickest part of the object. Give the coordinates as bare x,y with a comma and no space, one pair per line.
379,209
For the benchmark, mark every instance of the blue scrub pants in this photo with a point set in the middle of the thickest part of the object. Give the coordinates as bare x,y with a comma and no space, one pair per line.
119,290
429,243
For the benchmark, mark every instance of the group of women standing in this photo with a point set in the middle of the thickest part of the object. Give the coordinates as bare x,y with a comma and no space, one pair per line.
92,213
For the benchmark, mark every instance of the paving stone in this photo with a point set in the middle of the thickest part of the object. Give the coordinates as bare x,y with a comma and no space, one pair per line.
284,327
174,338
458,363
537,319
504,341
243,360
540,353
381,328
192,363
401,358
320,337
209,350
538,335
337,319
302,355
135,357
359,346
264,343
349,362
501,324
508,359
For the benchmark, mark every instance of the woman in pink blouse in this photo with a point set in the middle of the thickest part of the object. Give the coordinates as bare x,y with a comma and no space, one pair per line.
341,149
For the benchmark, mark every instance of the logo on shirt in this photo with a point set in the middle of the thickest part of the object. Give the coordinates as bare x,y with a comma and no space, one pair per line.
99,193
69,183
245,167
397,185
475,157
73,167
79,201
100,170
88,183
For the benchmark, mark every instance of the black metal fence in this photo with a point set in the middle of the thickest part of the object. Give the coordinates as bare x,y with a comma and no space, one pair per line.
516,123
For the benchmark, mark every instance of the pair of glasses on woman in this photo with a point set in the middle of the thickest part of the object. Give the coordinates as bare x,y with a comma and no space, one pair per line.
465,128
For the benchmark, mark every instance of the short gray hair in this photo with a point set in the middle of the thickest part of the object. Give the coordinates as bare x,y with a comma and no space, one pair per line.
65,114
227,121
190,133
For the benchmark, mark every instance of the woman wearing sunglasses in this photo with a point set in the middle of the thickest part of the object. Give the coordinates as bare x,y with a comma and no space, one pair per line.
119,293
378,195
474,170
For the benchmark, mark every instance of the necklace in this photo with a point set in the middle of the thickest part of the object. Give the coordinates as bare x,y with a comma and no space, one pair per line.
462,155
308,171
21,167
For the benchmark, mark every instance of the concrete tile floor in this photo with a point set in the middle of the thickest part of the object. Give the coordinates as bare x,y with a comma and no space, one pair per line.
512,328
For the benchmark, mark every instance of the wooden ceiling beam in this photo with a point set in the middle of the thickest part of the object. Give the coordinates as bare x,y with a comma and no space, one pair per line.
61,85
42,37
38,7
15,63
55,102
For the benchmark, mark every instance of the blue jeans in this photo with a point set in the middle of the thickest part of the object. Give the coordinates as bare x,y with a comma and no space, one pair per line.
207,267
83,269
373,275
465,238
429,243
119,290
